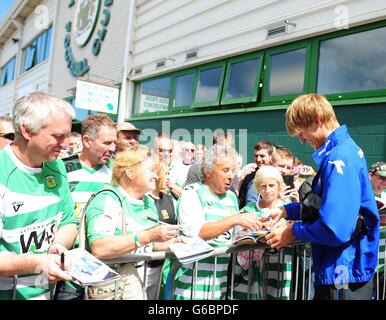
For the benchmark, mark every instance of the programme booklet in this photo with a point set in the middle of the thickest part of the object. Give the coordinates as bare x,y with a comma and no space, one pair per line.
196,249
245,237
87,269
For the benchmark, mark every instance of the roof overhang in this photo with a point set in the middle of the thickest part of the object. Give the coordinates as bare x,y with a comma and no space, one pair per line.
16,16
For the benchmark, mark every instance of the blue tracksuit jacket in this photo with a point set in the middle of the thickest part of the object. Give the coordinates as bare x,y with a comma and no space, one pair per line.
346,192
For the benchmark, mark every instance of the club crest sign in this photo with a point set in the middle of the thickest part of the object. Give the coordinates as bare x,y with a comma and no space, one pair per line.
86,16
89,22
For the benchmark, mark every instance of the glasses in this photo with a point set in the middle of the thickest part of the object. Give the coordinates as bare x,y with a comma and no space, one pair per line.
165,150
9,135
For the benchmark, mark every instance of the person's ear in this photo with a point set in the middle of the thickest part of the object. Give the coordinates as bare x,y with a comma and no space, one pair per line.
86,140
129,173
26,132
207,174
318,122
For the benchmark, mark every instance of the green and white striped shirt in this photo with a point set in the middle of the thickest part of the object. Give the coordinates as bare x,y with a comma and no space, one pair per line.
198,205
84,182
277,269
103,214
35,203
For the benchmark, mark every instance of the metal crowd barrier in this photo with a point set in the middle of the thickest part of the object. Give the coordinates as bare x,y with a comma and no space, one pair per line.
301,287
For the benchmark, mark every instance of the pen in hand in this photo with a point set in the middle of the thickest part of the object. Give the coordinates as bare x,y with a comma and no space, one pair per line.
157,221
62,261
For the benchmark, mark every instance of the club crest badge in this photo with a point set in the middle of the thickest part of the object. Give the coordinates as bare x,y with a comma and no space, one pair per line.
51,182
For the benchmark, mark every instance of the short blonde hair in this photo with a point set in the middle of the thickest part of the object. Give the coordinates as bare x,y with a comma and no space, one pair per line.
281,153
129,160
305,109
268,172
161,170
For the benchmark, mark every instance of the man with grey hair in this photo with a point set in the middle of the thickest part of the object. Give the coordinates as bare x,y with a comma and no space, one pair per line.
7,134
36,209
208,209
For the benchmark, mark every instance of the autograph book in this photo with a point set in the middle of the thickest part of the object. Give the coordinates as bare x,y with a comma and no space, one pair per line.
87,269
195,249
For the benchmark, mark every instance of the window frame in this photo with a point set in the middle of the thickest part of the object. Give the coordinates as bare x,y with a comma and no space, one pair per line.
344,96
238,59
4,69
213,65
175,75
46,51
137,95
285,99
264,102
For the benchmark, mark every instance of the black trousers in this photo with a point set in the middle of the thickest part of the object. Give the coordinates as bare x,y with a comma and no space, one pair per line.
353,291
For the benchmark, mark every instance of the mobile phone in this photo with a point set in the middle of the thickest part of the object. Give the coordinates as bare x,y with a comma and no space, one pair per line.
289,180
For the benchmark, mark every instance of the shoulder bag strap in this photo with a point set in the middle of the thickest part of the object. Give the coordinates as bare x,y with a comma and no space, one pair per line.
82,227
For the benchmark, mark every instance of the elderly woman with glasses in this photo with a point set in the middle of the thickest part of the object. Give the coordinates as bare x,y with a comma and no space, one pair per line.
208,209
268,184
122,221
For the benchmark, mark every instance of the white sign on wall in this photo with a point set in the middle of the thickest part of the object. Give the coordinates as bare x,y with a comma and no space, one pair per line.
96,97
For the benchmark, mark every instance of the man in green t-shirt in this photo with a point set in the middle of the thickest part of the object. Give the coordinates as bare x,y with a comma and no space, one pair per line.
93,171
36,209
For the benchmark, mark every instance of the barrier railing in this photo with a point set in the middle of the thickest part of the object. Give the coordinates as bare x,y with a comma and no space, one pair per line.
292,284
232,251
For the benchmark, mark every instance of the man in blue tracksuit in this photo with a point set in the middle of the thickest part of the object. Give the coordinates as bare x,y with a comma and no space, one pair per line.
344,249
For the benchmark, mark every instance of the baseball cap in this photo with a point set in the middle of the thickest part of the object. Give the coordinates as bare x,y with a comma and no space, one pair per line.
379,168
127,126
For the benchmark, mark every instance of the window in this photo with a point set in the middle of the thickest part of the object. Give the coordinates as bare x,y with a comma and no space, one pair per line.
354,62
242,79
349,66
154,95
286,74
7,73
208,87
183,90
38,51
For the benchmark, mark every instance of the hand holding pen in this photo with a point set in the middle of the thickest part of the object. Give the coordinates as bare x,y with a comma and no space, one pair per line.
164,231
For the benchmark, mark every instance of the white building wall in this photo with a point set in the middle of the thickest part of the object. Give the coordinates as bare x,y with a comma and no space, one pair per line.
36,23
37,77
32,80
221,28
6,99
107,67
8,51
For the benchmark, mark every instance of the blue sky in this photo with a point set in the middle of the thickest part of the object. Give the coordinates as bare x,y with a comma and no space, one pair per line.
5,5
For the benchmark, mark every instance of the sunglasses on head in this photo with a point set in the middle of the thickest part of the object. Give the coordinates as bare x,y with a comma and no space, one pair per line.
9,136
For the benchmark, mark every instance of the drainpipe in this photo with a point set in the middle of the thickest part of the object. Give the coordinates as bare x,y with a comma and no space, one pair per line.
126,93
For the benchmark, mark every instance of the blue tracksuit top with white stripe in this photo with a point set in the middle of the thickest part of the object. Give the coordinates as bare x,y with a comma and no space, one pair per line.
346,192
